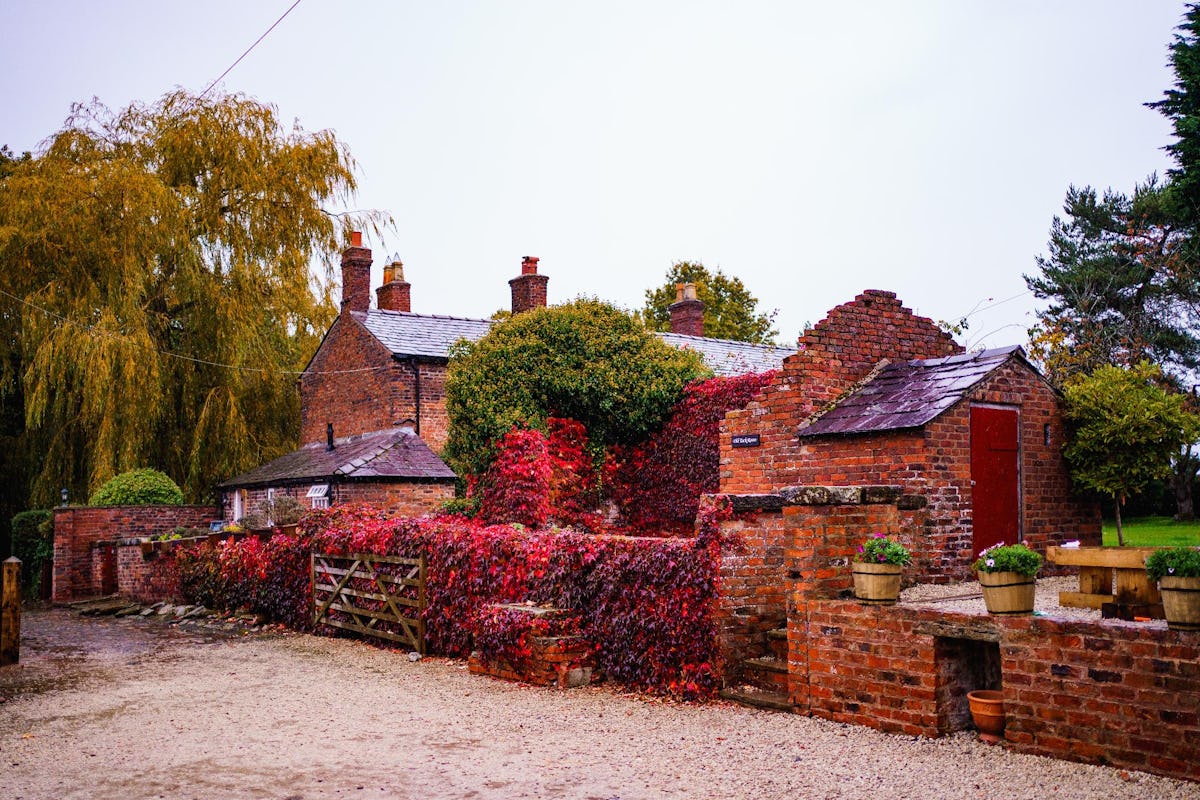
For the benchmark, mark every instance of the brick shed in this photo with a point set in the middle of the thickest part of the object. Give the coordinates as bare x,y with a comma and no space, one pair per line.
391,469
878,396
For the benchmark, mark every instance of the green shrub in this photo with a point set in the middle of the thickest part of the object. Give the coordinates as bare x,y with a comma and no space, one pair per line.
1173,562
584,360
880,549
1008,558
138,487
33,543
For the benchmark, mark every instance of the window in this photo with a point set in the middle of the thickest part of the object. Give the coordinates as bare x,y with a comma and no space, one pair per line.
319,495
239,504
270,503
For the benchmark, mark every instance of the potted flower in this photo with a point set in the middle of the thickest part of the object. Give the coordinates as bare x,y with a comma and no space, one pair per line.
1006,573
1177,571
876,569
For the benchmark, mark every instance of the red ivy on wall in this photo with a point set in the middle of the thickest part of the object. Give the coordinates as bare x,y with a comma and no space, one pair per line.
646,604
658,484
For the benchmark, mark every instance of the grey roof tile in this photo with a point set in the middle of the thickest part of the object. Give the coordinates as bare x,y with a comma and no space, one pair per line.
909,394
396,453
430,336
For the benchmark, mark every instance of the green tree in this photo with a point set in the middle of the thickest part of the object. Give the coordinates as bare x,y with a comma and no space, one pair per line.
584,360
730,311
1120,287
160,264
1181,105
1124,429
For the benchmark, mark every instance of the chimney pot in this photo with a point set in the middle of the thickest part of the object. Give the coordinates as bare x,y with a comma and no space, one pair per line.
528,288
396,293
687,312
328,435
356,275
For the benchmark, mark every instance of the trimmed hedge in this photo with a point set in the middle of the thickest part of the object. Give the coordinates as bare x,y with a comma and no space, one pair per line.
138,487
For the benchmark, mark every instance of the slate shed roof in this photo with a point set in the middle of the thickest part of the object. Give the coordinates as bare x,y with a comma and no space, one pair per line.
430,336
397,454
910,394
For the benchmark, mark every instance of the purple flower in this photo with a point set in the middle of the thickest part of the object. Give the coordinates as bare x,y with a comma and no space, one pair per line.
860,549
881,536
1170,570
880,558
991,562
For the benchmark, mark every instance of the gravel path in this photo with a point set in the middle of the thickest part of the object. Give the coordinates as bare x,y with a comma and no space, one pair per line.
134,709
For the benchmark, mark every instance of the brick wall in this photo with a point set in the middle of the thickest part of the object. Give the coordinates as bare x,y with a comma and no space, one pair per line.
77,530
146,577
800,541
404,498
375,399
835,354
407,499
1123,694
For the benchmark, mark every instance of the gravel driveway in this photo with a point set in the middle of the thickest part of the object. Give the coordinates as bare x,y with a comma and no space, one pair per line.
133,708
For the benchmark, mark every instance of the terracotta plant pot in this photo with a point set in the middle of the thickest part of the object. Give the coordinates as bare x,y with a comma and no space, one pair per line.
1007,593
987,709
878,584
1181,602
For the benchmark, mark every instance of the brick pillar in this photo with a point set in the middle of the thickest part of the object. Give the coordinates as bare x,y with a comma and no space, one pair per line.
529,288
687,312
395,293
356,275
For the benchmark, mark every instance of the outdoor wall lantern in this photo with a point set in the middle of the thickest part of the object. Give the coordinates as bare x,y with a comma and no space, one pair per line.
64,496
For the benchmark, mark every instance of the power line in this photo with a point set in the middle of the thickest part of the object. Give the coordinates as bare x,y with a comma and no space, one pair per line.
248,49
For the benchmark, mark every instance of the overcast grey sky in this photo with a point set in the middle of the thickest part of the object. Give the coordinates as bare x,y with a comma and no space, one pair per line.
812,149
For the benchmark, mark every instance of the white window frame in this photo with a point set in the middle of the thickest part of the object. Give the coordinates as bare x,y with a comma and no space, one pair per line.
318,495
270,501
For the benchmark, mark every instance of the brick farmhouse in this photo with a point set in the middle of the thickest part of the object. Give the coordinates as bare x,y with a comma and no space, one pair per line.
384,368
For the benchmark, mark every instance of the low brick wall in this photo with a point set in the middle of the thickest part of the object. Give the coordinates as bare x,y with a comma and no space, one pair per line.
1116,693
801,540
561,661
81,569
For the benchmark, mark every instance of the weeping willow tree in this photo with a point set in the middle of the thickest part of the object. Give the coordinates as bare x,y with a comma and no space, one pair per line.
170,269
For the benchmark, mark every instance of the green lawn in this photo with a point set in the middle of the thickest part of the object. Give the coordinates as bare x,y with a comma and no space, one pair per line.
1153,532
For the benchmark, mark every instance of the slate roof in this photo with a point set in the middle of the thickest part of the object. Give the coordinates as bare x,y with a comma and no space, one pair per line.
430,336
726,357
909,394
381,455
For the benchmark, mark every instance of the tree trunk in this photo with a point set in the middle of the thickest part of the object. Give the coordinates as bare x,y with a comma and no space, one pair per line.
1183,476
1117,499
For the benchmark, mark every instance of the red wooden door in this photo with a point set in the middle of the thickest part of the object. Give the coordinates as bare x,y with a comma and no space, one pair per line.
995,478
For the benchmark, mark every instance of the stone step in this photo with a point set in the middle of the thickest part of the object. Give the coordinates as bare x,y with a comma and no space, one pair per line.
777,641
765,664
766,674
100,608
750,696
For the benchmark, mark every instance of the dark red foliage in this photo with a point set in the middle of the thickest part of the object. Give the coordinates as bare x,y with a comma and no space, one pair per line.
516,488
647,604
658,484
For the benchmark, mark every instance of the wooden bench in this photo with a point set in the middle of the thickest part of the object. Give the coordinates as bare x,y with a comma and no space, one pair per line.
1109,575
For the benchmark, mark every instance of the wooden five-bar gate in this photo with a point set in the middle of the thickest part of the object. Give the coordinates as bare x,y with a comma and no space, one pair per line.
381,596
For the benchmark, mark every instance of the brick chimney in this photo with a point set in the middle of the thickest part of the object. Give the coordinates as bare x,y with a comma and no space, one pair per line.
687,312
528,288
356,275
395,293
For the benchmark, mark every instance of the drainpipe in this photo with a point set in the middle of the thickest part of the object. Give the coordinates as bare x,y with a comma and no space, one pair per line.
416,368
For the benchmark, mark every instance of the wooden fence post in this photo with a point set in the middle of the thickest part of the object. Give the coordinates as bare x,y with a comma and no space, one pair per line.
10,612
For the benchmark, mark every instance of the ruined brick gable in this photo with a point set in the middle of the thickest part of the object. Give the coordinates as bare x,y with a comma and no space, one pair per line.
833,356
